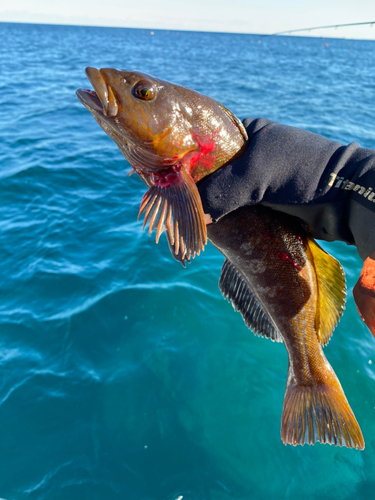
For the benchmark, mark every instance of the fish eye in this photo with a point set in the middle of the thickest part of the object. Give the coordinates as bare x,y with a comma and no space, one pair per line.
145,91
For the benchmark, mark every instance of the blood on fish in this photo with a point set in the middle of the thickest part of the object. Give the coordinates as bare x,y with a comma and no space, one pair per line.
299,238
205,146
167,179
288,258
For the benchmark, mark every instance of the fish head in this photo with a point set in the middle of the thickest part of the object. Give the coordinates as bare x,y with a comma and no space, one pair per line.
157,124
142,114
173,137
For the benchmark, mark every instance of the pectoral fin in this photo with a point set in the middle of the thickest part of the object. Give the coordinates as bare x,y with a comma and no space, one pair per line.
177,256
236,290
331,291
175,206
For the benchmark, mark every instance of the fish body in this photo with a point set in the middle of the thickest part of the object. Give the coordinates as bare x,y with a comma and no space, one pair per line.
285,286
288,289
173,137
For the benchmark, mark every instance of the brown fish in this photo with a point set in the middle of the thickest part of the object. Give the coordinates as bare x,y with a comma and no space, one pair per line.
172,137
288,289
285,286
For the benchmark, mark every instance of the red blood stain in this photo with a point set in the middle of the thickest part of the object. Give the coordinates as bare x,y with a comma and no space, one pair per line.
299,238
171,177
166,179
267,236
288,258
202,154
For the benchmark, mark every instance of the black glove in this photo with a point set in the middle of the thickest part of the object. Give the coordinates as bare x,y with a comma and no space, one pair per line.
324,183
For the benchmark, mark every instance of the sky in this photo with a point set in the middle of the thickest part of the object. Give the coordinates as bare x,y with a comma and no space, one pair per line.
236,16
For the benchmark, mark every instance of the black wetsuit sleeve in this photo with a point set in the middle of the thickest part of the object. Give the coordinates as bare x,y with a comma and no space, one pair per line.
328,185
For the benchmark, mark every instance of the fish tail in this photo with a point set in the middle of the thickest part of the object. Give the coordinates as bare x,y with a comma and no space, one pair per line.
319,413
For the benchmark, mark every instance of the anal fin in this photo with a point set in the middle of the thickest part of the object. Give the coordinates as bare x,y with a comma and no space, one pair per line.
236,290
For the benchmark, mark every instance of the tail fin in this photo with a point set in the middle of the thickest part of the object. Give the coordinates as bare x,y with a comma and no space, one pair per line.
319,413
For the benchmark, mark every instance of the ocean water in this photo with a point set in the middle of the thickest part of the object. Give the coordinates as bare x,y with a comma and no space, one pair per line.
123,375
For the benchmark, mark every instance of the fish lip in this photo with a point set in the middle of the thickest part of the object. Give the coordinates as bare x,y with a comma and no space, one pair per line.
102,100
90,100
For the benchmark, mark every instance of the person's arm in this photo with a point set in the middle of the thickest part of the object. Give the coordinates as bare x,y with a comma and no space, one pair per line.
331,187
364,293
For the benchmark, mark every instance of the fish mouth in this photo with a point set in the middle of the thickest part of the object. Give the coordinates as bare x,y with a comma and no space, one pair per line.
101,100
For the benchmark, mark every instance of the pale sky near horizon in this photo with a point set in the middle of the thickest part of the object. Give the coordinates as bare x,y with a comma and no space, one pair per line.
236,16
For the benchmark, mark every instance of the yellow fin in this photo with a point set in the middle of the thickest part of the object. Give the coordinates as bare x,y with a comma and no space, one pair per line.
331,291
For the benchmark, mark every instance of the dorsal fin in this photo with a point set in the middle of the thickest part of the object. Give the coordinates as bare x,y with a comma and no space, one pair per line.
331,291
236,290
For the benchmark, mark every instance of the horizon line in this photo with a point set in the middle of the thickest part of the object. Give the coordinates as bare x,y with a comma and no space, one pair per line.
281,34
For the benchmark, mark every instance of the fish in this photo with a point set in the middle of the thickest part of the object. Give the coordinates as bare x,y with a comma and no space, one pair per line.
288,289
172,137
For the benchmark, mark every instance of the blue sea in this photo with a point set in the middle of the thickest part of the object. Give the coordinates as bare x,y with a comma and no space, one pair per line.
123,375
